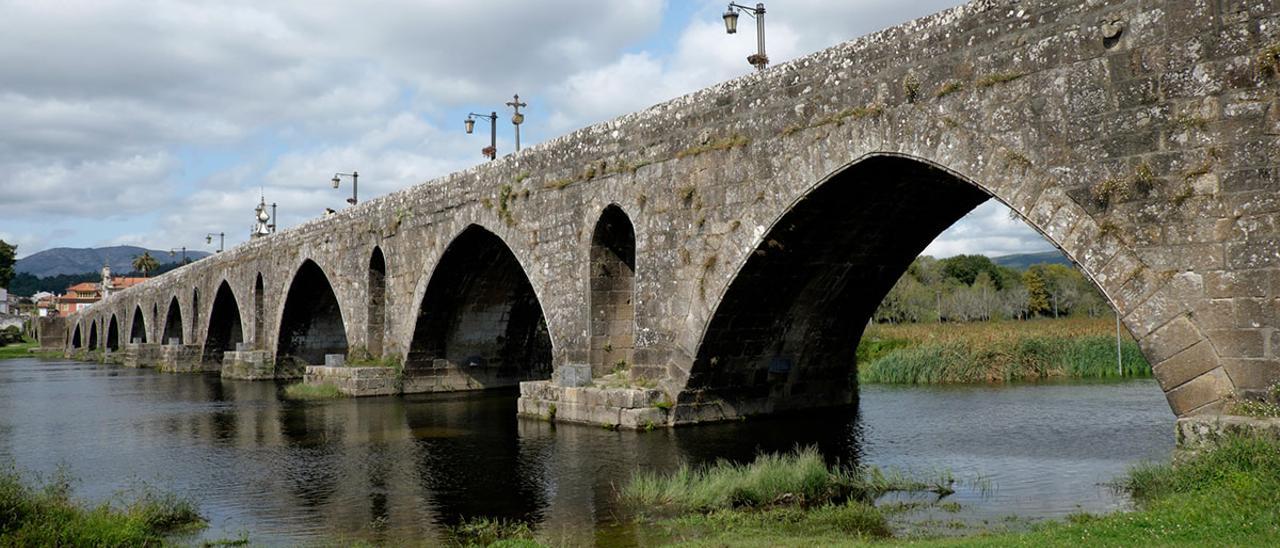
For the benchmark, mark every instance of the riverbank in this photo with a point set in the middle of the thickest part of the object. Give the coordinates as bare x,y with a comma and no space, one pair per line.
1225,497
1002,351
17,350
36,513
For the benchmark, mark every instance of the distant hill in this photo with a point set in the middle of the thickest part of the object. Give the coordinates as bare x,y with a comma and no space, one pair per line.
66,260
1022,261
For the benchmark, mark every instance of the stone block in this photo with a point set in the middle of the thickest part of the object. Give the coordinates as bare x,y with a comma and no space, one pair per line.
181,358
250,365
1201,394
1170,339
1186,365
573,375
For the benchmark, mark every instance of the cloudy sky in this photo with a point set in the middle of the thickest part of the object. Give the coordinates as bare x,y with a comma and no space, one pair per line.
154,122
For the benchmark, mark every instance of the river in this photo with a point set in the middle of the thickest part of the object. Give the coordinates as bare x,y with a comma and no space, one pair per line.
383,469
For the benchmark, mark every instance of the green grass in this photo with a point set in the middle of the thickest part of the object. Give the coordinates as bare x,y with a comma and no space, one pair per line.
44,514
1226,497
17,350
995,352
492,533
304,391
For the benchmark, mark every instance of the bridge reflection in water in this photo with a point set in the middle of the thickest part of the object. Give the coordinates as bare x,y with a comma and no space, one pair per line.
402,467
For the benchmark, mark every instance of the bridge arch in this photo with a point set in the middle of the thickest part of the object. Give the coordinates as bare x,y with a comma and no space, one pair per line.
259,304
138,327
113,334
225,326
93,334
612,280
376,284
479,316
172,323
311,318
195,315
75,337
784,327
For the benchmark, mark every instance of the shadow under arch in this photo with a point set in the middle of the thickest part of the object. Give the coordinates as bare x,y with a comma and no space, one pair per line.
784,333
138,327
75,337
225,327
93,335
480,323
113,334
172,323
311,321
612,282
377,289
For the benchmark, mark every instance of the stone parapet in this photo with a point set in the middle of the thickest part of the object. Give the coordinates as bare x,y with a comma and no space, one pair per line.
355,381
181,358
141,355
248,365
630,408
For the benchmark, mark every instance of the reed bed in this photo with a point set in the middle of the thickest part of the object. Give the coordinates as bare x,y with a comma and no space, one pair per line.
1002,351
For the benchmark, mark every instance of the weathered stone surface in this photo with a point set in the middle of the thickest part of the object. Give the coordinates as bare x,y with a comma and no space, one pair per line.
727,246
249,365
141,355
355,381
1206,432
181,358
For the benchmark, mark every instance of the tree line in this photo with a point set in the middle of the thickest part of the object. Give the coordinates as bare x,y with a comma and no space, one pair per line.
973,288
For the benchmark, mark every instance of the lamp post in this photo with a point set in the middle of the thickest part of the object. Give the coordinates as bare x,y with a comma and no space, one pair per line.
355,184
759,60
273,218
517,118
173,252
492,151
222,239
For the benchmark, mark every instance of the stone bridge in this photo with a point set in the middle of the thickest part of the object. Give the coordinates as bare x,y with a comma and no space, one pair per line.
719,255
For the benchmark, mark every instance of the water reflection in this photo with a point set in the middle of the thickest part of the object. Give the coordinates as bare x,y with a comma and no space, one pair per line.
399,468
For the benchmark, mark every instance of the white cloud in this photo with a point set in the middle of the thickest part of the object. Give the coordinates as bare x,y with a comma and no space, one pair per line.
988,230
105,104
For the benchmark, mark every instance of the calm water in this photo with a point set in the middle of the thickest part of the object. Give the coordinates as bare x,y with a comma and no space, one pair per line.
397,468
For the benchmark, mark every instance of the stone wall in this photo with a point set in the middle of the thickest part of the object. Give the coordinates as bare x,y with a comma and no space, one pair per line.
1139,136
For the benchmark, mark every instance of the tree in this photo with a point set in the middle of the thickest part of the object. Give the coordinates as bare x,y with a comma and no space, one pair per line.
7,254
965,269
145,263
1037,291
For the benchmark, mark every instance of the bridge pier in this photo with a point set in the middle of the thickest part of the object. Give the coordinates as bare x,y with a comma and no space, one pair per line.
181,358
629,408
356,381
248,365
141,355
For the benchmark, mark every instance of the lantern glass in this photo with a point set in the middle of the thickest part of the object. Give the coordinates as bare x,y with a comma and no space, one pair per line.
471,125
731,21
336,181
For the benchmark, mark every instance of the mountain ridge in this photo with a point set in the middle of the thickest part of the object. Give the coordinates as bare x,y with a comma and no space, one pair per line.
71,260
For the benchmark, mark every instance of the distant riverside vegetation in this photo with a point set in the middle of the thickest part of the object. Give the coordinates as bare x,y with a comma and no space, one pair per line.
969,288
999,324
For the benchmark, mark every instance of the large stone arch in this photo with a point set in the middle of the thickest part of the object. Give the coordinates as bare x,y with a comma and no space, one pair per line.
75,337
611,279
259,315
225,328
113,334
138,326
376,312
822,265
480,323
311,321
172,330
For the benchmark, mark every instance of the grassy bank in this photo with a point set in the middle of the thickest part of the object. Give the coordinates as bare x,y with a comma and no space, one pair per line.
304,391
44,514
1226,497
996,352
794,496
17,350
